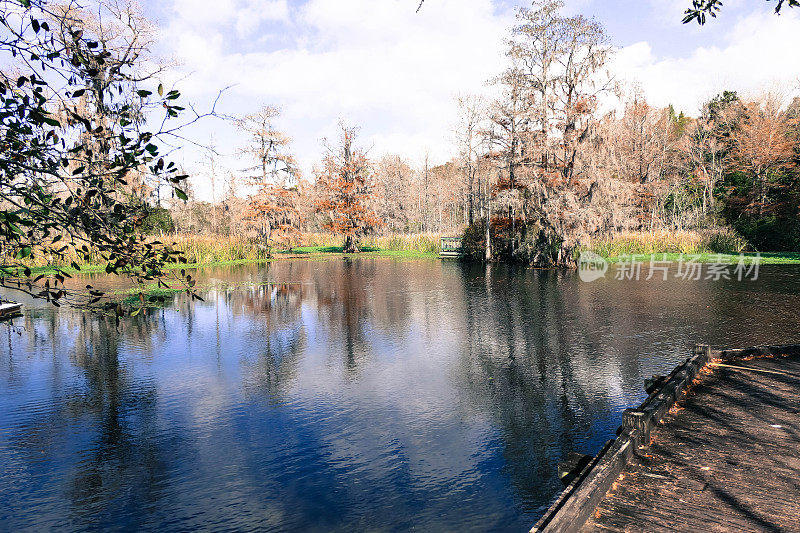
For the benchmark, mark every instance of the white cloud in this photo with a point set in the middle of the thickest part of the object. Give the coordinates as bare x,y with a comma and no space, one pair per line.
759,53
375,63
380,65
245,15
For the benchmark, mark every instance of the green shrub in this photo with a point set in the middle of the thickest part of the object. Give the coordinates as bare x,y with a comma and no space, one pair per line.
473,242
770,233
157,222
725,241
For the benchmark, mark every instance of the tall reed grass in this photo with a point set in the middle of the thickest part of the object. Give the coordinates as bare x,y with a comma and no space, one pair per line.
420,242
214,249
207,249
716,240
39,258
199,249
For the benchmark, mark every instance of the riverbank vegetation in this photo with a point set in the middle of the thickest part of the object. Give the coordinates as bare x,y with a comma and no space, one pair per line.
714,241
228,250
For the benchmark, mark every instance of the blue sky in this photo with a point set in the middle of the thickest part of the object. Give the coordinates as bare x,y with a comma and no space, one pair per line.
396,73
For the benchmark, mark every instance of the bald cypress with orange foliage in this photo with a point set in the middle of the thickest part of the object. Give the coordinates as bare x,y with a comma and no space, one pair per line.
764,150
346,191
273,207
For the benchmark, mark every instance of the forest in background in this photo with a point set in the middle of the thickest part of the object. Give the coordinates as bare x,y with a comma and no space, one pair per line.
730,174
542,170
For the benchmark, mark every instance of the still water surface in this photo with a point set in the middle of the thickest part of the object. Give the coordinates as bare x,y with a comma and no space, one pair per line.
341,395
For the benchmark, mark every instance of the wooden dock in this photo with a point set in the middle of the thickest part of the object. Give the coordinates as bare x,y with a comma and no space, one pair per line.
715,447
450,247
10,310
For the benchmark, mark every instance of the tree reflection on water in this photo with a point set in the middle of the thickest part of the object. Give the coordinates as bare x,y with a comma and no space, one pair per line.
346,393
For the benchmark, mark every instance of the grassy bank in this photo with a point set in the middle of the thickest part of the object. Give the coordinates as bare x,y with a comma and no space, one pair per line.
369,251
722,241
768,258
421,243
223,250
706,246
217,250
303,253
710,246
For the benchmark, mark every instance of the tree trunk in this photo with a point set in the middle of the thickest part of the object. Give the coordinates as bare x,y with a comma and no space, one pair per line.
267,232
489,232
513,230
762,196
350,245
471,196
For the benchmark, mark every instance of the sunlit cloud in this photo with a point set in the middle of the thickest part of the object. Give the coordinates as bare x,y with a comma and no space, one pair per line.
394,72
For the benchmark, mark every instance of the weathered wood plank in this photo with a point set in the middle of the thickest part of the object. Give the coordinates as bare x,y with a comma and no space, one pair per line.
576,504
715,448
9,309
727,459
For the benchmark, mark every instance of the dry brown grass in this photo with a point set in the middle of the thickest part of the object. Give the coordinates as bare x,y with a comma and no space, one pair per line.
208,249
719,240
420,242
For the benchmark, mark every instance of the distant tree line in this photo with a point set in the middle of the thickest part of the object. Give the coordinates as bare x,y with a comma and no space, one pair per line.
540,170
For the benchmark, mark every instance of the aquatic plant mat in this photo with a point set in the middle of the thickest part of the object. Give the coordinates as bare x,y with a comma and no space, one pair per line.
715,448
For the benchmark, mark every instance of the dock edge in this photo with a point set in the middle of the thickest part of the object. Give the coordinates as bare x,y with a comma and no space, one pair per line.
573,508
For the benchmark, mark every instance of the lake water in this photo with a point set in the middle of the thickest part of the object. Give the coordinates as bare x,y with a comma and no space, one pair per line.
342,395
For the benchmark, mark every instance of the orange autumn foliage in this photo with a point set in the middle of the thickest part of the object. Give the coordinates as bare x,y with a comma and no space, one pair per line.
764,149
274,208
346,188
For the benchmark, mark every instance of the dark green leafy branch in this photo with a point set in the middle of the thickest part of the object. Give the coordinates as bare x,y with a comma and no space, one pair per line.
75,154
701,9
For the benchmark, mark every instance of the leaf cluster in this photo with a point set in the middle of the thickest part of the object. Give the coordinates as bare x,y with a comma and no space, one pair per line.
701,9
72,144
